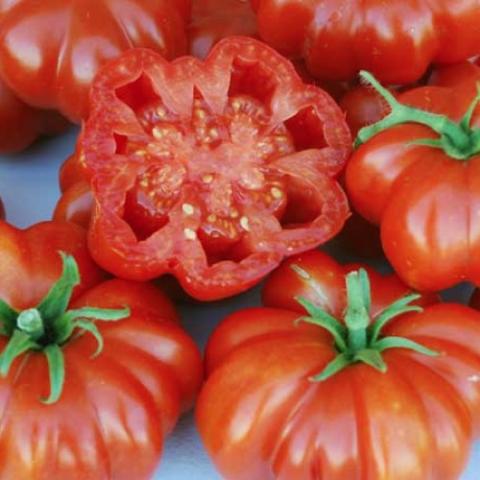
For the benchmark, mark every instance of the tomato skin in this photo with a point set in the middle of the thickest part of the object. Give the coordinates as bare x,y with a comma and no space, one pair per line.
213,20
50,52
261,418
115,409
395,40
22,124
76,201
283,285
218,230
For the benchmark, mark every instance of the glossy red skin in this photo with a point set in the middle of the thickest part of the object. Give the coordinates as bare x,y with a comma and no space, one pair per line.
213,20
311,169
283,285
76,201
424,201
115,409
51,50
395,40
363,106
261,418
22,124
475,299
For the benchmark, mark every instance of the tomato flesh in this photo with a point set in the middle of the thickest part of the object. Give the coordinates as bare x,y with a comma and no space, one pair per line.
212,171
204,156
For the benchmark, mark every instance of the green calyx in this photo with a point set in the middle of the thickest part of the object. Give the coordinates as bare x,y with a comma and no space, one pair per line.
48,327
359,339
457,139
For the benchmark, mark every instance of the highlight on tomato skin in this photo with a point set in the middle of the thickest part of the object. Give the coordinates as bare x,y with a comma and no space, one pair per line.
331,369
212,171
396,40
51,50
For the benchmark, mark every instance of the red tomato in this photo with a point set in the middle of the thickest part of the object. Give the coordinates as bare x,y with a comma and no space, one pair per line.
283,402
424,197
213,20
51,50
452,75
364,106
106,415
213,171
396,40
21,124
76,202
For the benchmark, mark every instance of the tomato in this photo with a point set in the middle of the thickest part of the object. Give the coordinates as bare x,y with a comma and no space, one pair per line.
76,202
363,106
51,50
453,75
21,124
96,404
213,20
475,299
395,40
284,400
212,171
417,176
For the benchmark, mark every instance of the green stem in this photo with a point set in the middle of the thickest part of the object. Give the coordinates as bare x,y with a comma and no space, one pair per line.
457,139
359,338
357,316
48,326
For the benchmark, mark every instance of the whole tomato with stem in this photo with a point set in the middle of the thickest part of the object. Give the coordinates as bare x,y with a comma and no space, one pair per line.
395,40
94,373
51,50
211,171
415,174
341,376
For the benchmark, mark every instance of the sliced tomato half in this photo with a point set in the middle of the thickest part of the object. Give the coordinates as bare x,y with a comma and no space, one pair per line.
213,171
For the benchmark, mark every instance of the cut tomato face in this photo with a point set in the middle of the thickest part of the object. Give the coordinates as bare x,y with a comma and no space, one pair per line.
212,171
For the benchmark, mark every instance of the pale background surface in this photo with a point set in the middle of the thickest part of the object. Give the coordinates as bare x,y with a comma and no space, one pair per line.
28,186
